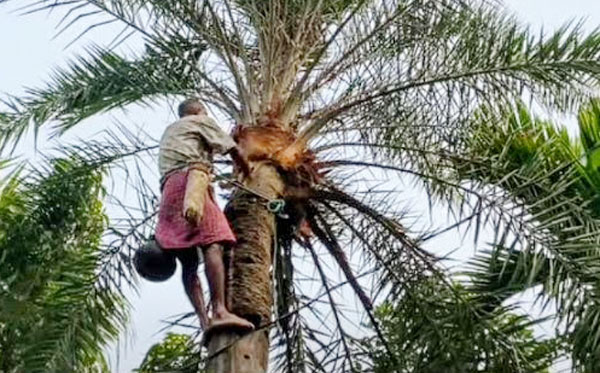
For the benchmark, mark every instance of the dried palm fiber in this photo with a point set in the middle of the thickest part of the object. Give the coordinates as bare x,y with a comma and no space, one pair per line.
198,182
271,143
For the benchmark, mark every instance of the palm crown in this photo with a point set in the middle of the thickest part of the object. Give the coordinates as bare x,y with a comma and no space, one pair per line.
411,87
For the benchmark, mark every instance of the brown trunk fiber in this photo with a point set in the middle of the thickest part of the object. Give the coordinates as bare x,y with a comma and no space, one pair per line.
250,294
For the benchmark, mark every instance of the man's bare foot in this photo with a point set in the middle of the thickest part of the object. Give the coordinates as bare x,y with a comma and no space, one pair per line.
226,320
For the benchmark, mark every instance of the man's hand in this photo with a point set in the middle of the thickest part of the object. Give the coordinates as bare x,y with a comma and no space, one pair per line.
240,161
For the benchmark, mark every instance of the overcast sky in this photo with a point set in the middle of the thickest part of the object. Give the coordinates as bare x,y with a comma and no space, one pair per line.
29,53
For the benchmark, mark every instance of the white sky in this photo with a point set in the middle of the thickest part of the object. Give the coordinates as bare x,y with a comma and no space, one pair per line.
29,53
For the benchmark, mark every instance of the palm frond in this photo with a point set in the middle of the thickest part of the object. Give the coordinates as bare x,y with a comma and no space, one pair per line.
51,250
438,75
553,225
136,16
441,337
101,82
127,158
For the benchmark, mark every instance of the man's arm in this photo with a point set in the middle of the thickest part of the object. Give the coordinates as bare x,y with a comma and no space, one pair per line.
240,161
217,139
221,143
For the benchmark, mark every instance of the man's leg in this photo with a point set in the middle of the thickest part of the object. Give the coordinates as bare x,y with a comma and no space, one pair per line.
215,273
191,283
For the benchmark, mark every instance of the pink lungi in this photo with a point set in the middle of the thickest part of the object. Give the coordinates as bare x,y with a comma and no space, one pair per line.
174,231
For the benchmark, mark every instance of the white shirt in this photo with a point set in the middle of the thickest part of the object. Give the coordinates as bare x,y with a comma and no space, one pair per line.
192,139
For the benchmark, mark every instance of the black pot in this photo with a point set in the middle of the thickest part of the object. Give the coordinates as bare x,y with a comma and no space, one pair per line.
153,263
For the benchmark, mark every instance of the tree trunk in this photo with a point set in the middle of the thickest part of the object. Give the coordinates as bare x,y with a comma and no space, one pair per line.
232,352
250,291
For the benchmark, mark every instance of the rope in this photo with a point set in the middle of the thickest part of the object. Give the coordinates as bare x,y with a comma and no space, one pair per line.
275,206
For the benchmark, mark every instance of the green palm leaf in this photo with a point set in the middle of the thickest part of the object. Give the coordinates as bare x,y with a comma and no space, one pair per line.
55,314
538,168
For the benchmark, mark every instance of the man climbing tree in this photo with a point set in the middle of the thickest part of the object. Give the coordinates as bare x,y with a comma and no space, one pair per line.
190,222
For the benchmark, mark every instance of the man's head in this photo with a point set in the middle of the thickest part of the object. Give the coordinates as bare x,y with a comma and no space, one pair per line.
191,106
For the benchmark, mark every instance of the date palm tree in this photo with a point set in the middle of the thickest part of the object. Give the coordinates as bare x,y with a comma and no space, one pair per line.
344,87
555,253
